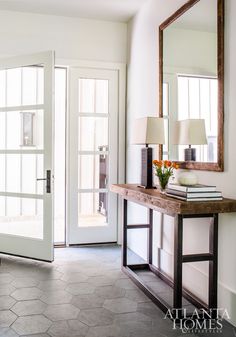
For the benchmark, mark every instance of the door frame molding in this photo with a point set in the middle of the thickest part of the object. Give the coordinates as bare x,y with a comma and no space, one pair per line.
121,71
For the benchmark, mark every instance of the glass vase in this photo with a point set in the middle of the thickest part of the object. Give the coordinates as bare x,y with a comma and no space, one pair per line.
163,183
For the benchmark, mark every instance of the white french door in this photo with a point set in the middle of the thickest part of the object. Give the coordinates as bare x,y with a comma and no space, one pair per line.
93,152
26,155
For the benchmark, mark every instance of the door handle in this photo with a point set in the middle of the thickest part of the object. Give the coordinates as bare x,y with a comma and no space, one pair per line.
48,181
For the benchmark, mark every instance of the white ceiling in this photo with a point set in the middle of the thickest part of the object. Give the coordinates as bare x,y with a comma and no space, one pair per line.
112,10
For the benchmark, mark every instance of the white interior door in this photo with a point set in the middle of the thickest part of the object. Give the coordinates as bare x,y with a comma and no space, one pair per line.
26,154
93,153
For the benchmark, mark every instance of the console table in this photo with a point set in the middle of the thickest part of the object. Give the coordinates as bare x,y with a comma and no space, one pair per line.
153,200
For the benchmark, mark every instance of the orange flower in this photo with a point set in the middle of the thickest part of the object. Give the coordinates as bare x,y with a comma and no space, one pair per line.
165,163
157,163
169,163
175,166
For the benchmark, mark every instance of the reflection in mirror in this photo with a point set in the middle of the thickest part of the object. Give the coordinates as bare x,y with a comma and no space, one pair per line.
190,80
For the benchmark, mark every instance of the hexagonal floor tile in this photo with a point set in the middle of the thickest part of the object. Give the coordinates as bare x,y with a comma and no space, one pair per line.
24,282
120,305
52,285
125,284
101,281
93,317
131,317
7,318
74,277
107,331
141,329
6,289
68,328
116,274
31,325
109,292
33,307
24,294
87,301
136,295
6,302
56,297
58,312
80,288
149,309
38,335
46,274
7,332
6,278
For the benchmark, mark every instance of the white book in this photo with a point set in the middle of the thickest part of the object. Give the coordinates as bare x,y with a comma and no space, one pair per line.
193,199
194,188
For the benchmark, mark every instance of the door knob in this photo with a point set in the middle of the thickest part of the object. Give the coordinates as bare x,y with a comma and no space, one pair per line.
48,181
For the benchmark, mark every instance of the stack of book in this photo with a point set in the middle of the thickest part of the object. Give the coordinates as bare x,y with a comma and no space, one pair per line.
193,193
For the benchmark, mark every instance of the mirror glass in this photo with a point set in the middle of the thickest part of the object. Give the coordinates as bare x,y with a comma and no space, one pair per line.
190,84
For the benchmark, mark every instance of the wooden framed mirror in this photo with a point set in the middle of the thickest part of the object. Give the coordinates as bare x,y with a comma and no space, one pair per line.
191,82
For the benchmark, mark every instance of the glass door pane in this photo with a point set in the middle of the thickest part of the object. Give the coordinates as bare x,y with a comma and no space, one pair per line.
93,157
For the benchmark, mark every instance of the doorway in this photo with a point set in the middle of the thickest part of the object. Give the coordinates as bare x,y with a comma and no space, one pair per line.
93,155
85,162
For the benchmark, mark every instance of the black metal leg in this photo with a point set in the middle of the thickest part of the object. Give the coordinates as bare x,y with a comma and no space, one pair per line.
213,265
178,253
124,243
149,236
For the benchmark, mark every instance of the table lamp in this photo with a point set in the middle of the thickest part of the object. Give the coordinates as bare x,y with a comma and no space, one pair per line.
190,132
148,130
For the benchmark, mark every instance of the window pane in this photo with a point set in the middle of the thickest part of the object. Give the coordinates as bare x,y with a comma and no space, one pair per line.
165,99
2,170
92,209
2,88
29,88
14,87
13,129
166,145
28,183
19,217
40,173
2,130
18,132
86,95
93,171
205,102
21,173
194,98
93,133
214,108
102,96
183,109
40,85
13,173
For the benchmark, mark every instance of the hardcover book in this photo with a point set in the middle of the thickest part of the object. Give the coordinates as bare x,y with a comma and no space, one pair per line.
194,188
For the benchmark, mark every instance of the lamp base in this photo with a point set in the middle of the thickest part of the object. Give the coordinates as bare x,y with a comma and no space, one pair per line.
190,154
146,168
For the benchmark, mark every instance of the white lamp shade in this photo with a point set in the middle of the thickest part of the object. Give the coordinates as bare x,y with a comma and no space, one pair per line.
190,132
148,130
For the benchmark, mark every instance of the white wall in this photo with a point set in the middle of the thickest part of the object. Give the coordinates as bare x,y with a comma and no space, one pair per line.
143,100
191,49
71,38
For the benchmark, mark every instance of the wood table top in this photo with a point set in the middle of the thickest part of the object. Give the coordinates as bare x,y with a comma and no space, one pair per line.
153,199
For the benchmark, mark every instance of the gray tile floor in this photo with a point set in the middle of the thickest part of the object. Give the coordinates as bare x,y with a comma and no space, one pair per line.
82,294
